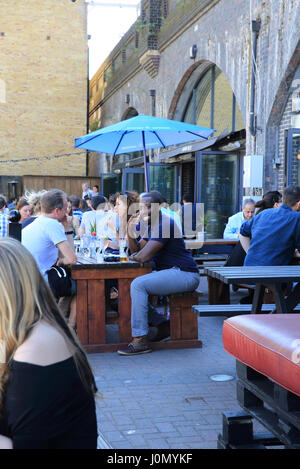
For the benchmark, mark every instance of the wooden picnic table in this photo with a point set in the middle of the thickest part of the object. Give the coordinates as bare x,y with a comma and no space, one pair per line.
91,305
273,278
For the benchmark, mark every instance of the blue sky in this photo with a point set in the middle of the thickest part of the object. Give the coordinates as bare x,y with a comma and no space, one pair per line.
106,25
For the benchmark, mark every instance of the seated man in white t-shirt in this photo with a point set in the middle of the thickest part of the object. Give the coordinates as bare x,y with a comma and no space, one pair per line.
46,237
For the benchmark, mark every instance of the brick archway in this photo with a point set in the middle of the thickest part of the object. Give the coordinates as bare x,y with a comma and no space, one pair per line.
130,112
284,88
181,85
274,142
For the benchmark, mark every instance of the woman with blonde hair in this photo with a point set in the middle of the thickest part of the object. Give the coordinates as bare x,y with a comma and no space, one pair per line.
47,388
34,200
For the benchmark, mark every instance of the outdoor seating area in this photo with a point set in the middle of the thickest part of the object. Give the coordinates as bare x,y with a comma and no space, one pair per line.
183,302
91,307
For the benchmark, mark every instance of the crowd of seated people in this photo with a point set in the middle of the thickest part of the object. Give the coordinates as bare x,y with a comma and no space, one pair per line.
74,217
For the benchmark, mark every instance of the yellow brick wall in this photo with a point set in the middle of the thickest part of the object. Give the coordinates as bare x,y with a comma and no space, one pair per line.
43,101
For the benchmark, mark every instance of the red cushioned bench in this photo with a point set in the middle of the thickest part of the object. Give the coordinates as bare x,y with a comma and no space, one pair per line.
267,350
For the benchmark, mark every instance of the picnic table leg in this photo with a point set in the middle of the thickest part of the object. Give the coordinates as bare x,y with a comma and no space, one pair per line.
293,298
281,306
258,298
218,292
82,312
124,306
96,311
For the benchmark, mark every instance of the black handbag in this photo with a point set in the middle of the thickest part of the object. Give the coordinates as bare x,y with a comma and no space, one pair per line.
60,281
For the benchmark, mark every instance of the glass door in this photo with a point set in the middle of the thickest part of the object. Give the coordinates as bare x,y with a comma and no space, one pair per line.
133,180
164,178
110,184
217,186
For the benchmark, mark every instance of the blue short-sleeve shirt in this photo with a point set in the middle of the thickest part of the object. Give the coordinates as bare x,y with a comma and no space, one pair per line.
275,234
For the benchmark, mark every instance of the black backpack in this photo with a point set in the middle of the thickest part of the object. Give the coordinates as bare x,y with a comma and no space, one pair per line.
59,281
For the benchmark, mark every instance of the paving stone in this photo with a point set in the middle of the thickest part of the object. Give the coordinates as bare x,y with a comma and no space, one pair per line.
165,427
166,398
113,436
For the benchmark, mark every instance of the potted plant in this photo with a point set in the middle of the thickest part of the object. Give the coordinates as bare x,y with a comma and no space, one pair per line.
204,222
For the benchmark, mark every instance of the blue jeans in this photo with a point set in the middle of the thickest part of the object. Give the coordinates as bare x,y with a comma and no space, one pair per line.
162,282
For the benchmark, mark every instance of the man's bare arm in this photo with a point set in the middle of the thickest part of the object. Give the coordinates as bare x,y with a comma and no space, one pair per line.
245,242
148,251
67,255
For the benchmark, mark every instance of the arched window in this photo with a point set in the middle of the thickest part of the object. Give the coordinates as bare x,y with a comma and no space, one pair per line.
213,104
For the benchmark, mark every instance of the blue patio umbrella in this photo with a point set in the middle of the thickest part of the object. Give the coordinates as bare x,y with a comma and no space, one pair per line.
141,133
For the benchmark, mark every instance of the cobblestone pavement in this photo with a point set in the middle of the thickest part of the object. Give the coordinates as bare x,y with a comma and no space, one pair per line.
166,399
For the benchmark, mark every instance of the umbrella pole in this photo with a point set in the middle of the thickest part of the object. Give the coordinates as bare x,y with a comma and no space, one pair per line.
146,171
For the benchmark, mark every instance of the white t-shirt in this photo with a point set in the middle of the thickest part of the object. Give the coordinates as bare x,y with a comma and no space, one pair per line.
103,230
88,221
88,192
41,238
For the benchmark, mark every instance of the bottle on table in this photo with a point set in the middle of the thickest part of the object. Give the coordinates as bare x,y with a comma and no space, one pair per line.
123,250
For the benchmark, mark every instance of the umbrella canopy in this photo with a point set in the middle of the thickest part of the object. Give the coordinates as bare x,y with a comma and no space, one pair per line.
141,133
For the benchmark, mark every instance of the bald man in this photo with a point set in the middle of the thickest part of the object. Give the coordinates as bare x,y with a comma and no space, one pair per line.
235,222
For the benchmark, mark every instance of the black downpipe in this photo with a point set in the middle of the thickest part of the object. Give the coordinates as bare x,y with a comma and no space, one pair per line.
87,111
255,31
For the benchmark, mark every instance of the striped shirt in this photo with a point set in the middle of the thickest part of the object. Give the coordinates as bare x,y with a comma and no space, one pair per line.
3,225
77,212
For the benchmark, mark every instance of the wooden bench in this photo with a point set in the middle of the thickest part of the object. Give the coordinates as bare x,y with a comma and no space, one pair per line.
230,310
183,322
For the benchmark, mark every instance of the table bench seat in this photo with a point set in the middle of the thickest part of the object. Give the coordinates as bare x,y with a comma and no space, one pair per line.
266,348
213,259
231,310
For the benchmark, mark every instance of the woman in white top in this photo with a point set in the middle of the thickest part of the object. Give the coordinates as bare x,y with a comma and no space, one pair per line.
89,219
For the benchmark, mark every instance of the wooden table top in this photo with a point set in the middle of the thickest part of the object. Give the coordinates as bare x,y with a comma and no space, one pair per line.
255,274
91,263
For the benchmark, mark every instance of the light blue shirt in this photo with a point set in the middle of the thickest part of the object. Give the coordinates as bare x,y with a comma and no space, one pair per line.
233,226
3,225
172,214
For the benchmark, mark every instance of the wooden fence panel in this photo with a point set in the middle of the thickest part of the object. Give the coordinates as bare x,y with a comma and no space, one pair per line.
69,184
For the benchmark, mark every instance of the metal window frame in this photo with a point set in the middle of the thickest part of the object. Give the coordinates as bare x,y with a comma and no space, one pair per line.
126,171
102,175
177,178
288,153
198,175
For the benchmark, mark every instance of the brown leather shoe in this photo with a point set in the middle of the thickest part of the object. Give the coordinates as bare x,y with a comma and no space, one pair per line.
138,346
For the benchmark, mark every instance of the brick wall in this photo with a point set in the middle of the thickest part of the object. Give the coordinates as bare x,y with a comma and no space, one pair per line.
43,62
222,32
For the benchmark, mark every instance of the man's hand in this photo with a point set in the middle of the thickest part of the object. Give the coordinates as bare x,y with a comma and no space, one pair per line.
296,253
147,252
67,222
5,442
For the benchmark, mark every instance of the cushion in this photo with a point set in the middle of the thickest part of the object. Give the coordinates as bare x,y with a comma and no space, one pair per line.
268,343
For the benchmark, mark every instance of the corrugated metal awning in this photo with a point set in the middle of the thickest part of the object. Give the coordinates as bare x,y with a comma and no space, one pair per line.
186,148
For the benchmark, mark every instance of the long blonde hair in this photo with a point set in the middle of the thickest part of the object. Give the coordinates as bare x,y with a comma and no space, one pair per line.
25,299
